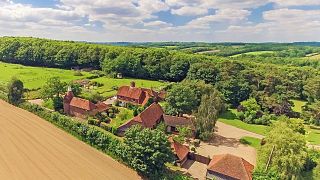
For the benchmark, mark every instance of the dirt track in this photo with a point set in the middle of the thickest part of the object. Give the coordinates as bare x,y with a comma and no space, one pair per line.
31,148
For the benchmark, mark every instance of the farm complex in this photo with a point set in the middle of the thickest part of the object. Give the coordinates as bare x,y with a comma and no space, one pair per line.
158,110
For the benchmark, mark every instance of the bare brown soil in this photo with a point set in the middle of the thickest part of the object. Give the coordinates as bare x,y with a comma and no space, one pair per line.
32,148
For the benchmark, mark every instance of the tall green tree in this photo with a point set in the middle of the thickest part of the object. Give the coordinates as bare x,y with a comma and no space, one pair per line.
147,150
54,87
15,91
207,114
181,99
288,148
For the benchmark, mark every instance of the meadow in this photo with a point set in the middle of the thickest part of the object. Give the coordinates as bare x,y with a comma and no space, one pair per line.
35,77
254,53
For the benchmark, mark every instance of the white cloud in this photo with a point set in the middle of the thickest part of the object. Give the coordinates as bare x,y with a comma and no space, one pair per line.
286,3
157,24
190,11
136,20
222,15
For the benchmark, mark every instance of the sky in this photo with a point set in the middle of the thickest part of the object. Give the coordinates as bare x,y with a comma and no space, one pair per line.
163,20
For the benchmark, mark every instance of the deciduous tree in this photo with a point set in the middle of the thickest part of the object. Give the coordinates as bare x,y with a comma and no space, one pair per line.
15,91
147,150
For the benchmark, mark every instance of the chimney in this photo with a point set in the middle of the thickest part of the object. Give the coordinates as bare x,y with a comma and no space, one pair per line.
132,84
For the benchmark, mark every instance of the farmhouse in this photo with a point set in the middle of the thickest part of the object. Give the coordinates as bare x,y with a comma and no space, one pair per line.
82,108
181,151
227,166
172,122
133,95
148,118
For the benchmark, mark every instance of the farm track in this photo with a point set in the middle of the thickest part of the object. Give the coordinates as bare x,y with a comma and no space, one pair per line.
32,148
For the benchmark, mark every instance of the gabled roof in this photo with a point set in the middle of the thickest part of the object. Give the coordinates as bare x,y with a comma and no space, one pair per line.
130,92
175,121
179,149
148,118
232,166
82,104
102,106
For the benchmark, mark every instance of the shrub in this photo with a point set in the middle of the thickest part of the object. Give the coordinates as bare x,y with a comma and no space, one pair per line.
116,102
92,121
77,73
106,127
244,141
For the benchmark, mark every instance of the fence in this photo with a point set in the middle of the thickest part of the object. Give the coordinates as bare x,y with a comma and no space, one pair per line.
199,158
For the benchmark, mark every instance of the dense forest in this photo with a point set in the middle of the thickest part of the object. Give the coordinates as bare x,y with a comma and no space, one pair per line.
273,81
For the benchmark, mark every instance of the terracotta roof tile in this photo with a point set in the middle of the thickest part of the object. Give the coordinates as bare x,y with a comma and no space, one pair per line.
102,106
179,149
175,121
82,104
131,92
150,115
232,166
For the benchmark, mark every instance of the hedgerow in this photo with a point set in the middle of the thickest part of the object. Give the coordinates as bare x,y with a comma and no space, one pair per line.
94,136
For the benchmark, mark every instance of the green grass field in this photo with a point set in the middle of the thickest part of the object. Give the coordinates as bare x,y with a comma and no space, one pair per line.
251,141
230,118
35,77
255,53
298,105
123,116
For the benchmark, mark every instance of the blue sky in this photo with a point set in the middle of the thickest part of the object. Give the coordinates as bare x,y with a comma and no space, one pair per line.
163,20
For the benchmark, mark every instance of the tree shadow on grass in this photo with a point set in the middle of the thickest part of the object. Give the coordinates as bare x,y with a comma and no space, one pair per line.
219,140
228,115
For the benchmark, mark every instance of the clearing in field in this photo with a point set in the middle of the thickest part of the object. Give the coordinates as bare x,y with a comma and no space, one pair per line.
314,56
32,148
255,53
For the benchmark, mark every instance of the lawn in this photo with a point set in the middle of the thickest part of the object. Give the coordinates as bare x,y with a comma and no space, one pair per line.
35,77
313,136
297,105
123,116
230,118
251,141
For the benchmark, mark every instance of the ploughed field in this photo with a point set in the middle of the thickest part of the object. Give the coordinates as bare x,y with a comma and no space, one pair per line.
32,148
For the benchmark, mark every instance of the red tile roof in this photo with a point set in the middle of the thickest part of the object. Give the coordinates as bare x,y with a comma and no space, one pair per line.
82,104
130,92
102,106
175,121
232,166
149,117
179,149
